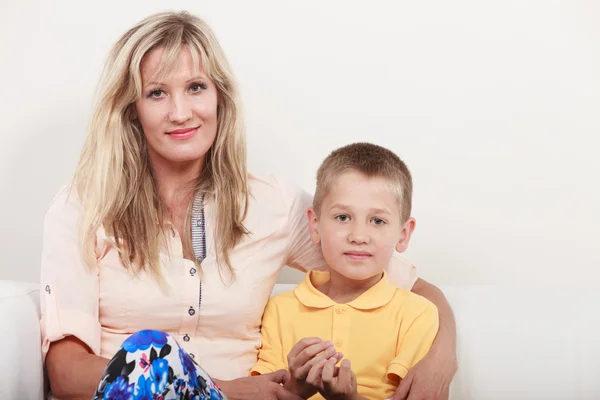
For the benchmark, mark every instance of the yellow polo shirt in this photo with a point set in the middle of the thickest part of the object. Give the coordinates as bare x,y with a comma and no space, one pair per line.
384,332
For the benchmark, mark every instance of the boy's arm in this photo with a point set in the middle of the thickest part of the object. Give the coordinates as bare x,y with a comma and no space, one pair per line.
431,377
414,339
270,355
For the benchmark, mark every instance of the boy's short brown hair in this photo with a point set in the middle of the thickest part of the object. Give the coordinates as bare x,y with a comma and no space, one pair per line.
370,160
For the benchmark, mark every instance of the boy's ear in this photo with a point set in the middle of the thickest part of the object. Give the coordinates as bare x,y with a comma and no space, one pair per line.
313,225
405,235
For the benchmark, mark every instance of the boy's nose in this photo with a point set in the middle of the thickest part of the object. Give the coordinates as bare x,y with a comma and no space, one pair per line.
358,235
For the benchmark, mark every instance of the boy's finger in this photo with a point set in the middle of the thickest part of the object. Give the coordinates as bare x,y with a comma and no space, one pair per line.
302,344
327,374
345,374
314,375
305,367
313,350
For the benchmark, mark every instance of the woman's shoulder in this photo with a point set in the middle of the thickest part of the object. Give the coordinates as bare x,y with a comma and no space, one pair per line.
273,188
66,204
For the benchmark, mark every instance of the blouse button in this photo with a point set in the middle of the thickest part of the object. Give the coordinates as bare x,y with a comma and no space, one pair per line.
191,311
47,289
186,338
192,271
192,355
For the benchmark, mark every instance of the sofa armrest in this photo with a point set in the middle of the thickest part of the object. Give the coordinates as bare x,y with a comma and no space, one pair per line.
21,372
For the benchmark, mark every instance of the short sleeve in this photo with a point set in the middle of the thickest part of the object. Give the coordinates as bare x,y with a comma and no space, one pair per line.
303,254
69,288
270,355
415,341
401,273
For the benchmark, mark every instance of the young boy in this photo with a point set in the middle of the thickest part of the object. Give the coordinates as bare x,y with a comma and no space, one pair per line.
360,215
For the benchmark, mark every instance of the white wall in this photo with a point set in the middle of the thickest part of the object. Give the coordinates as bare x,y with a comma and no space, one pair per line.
493,104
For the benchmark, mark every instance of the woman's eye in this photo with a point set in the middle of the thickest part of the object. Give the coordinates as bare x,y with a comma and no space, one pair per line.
198,87
156,93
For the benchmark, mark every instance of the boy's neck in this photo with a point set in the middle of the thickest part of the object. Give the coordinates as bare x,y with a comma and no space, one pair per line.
343,290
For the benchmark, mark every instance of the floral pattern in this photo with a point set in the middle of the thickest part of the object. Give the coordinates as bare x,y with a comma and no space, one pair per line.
150,365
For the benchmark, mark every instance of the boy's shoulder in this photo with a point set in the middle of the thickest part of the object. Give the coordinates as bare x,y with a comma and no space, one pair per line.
283,299
411,303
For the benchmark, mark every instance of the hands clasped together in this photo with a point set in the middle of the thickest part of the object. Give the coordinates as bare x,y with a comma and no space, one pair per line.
312,366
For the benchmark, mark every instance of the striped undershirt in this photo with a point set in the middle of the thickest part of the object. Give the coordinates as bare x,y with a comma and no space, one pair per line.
199,234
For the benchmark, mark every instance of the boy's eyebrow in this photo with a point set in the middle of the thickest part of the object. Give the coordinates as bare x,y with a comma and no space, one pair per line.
372,210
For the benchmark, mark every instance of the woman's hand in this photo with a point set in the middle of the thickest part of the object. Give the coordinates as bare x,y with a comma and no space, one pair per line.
261,387
429,379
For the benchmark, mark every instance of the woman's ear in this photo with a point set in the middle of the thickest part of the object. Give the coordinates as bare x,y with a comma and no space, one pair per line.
133,115
313,226
405,235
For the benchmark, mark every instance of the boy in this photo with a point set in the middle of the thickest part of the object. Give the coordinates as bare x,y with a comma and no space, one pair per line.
360,215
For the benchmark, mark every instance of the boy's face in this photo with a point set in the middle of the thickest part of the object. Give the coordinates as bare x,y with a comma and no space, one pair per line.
359,226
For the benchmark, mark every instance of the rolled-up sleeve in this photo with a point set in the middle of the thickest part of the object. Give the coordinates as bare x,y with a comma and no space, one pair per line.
303,254
69,287
401,273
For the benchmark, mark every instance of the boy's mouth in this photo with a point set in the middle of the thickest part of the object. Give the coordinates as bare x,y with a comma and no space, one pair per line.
358,255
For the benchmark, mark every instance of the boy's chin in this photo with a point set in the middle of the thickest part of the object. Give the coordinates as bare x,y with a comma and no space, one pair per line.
357,275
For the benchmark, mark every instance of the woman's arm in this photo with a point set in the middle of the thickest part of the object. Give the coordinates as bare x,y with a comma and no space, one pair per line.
69,304
73,372
430,378
263,387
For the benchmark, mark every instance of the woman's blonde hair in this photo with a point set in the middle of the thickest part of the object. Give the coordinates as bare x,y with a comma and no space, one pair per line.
114,179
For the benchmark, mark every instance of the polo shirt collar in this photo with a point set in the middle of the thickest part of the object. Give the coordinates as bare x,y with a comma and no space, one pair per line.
377,296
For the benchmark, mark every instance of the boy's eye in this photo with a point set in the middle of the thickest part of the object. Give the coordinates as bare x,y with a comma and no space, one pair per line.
342,218
378,221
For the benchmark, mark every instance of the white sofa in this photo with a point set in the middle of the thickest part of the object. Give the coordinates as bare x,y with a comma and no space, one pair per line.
513,343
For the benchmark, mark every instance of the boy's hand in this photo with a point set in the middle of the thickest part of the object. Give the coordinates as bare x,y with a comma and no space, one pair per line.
339,383
308,357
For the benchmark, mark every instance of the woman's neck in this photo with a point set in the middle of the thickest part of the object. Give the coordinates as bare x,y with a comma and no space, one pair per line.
343,290
175,181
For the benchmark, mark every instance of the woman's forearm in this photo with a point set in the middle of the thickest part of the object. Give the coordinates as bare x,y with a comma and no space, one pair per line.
73,372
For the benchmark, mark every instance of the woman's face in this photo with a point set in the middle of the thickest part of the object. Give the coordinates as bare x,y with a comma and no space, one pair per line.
178,115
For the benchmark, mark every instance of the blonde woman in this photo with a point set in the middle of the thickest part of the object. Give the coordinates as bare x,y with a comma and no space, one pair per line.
163,252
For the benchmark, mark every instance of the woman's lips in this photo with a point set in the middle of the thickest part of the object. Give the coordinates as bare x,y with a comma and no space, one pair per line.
182,134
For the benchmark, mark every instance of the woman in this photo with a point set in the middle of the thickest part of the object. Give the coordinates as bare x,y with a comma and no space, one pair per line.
164,233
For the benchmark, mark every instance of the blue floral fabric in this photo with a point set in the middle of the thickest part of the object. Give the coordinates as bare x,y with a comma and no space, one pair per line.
150,365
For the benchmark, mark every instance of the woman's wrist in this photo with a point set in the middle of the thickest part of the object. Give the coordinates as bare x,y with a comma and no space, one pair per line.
445,358
223,385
